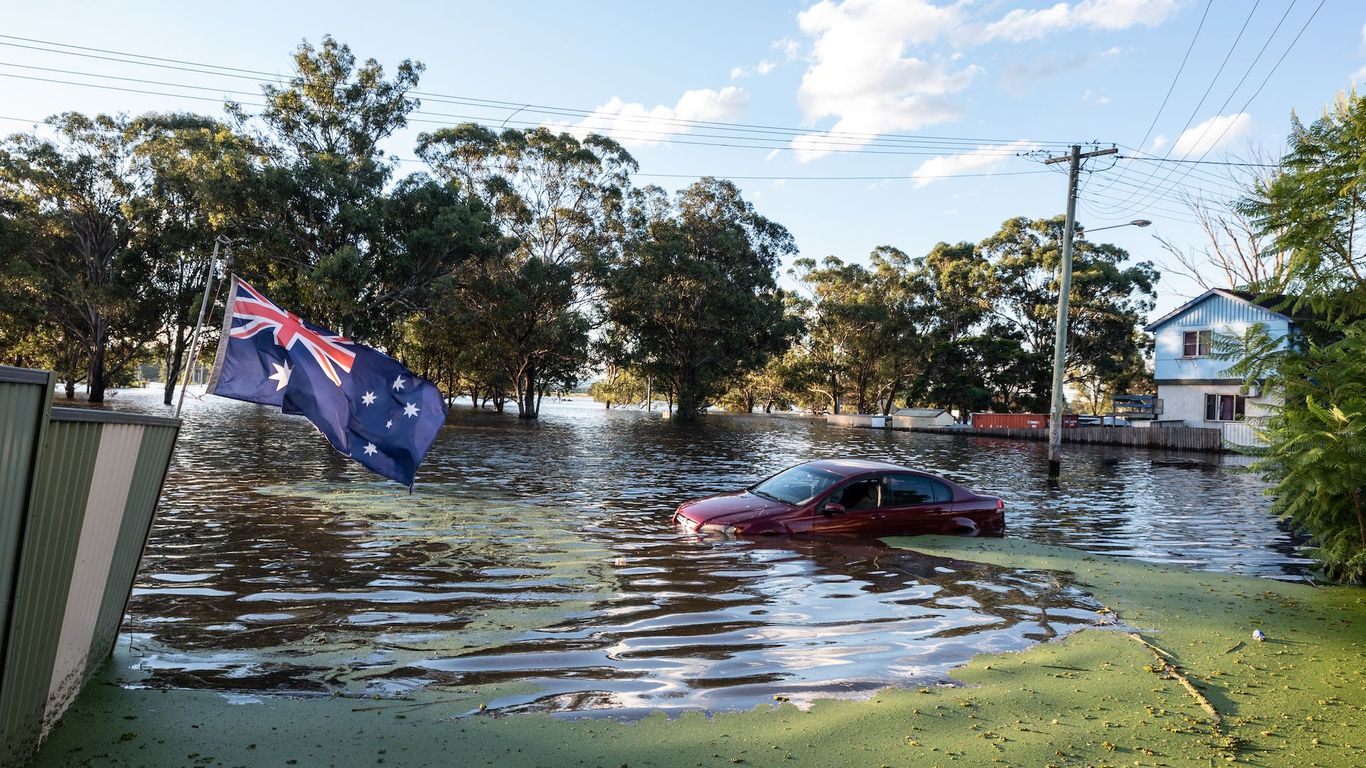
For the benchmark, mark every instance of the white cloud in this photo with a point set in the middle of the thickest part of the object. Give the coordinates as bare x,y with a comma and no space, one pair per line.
764,67
788,47
1363,34
1359,76
1215,132
981,160
1159,141
861,74
1028,24
636,126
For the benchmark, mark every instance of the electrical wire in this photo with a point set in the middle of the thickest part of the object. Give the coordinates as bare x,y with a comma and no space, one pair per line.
1237,87
252,74
1217,74
1176,78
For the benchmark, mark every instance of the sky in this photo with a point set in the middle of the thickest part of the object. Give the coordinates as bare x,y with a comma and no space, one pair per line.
854,123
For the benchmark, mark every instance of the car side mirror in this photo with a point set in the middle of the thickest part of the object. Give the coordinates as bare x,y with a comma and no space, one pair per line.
833,508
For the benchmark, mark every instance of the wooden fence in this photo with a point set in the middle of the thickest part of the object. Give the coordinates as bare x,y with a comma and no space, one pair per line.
1161,438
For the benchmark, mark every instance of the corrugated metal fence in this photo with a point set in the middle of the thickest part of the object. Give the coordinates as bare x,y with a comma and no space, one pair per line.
79,488
1164,438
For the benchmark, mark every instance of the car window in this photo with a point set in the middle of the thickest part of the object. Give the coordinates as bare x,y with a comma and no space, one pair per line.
905,490
864,494
797,484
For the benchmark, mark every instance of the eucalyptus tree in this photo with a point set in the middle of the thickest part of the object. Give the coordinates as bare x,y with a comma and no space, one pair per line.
1109,297
952,281
194,175
695,291
75,194
845,318
315,234
559,200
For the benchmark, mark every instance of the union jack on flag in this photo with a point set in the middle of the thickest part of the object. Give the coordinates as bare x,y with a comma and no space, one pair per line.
367,404
261,314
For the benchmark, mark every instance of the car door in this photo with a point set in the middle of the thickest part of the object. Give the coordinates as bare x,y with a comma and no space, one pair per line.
862,509
915,504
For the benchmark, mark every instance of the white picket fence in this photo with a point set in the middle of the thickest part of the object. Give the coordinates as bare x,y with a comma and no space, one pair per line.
1242,434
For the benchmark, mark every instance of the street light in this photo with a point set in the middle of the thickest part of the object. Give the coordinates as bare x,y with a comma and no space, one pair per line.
1135,223
1060,340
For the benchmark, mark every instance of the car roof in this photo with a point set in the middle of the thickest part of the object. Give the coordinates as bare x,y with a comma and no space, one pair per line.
854,466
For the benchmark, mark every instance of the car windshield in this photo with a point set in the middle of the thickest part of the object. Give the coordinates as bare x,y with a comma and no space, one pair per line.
797,484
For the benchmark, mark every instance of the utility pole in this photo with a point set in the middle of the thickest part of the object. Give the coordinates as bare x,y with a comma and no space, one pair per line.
1064,289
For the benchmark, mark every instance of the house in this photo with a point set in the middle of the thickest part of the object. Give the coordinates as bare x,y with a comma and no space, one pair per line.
907,418
1194,387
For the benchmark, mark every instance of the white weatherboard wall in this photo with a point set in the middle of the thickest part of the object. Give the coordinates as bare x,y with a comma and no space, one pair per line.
1186,402
1215,312
1183,382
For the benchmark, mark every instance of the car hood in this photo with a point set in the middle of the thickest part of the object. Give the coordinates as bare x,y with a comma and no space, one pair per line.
730,508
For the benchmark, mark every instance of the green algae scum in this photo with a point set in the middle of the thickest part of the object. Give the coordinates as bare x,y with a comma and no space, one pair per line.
1177,680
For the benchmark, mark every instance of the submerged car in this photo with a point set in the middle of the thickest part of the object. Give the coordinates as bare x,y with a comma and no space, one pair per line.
846,496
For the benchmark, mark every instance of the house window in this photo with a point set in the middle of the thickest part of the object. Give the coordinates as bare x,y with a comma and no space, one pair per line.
1224,407
1198,343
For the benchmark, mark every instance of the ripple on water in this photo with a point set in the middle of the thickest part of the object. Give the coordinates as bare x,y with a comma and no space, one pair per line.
541,556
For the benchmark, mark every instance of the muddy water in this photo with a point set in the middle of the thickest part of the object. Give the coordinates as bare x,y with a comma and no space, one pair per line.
537,562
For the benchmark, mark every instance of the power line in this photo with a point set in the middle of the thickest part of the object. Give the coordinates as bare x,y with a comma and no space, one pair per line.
1200,162
1217,74
636,136
1243,79
1177,77
244,73
817,143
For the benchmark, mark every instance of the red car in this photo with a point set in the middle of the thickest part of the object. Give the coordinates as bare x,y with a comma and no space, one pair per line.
846,496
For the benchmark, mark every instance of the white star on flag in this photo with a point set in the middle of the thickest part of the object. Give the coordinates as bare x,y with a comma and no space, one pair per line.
281,375
370,449
389,424
368,398
410,410
398,384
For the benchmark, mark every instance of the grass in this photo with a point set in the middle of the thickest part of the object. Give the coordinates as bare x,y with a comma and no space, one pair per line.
1096,698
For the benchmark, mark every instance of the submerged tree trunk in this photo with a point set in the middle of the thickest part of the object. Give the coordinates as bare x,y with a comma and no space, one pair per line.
527,400
95,375
175,364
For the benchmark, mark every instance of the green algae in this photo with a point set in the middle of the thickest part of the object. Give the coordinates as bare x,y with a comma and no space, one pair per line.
1094,698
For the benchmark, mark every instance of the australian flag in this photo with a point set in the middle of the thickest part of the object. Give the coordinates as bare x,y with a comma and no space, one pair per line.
366,404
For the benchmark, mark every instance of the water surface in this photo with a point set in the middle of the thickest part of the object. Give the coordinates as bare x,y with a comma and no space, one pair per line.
538,560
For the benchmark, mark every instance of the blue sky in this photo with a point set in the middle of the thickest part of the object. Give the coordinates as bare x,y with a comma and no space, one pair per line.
875,79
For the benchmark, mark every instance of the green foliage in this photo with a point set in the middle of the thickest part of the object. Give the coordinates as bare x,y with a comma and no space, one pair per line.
867,327
970,327
315,220
1316,440
1107,301
73,202
1311,209
559,202
621,386
693,297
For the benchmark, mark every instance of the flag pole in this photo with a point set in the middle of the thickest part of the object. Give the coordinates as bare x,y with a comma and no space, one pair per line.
199,324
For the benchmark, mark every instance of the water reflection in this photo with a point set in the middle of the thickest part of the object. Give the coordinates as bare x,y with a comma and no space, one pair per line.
541,556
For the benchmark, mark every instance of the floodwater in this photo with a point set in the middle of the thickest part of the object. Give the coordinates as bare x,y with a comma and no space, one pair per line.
537,561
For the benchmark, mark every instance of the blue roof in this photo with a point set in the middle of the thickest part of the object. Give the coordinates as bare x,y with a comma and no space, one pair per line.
1243,299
